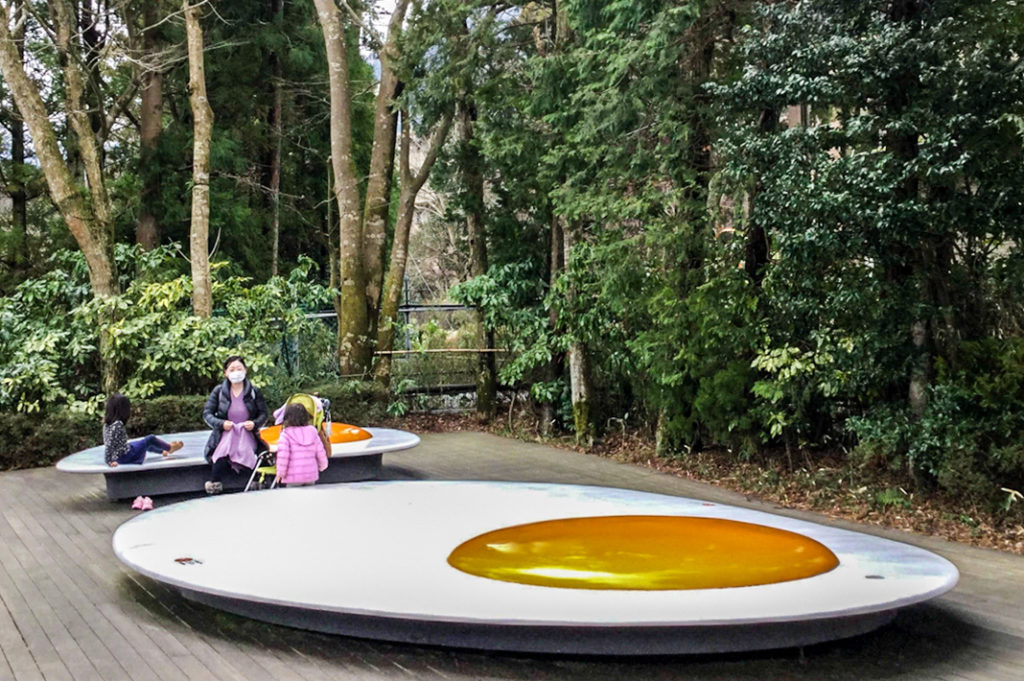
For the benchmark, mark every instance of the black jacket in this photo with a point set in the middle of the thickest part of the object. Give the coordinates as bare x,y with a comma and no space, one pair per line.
215,413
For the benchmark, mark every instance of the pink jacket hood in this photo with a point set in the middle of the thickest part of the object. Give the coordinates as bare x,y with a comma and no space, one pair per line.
305,436
300,455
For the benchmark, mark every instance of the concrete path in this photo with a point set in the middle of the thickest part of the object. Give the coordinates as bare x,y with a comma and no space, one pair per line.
69,610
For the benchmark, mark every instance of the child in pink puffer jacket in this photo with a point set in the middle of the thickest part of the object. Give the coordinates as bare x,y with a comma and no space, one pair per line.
301,452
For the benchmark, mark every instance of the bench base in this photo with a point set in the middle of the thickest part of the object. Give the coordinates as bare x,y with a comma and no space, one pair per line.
558,639
193,478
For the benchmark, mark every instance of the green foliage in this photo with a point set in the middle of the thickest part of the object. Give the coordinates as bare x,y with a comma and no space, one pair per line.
892,498
968,440
28,440
795,384
48,340
898,199
508,296
167,414
355,402
397,407
703,388
602,130
878,152
424,345
243,40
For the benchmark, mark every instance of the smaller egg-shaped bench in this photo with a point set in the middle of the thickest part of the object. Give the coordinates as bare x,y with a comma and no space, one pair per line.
356,454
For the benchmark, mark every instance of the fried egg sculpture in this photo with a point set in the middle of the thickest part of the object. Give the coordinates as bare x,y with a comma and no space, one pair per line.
530,567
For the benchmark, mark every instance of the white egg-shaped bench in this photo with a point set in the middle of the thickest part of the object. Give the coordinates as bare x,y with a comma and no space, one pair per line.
383,560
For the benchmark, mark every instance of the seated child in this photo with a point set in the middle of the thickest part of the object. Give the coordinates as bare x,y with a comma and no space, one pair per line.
301,453
117,448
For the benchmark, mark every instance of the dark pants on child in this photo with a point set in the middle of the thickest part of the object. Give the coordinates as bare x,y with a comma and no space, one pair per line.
137,449
222,468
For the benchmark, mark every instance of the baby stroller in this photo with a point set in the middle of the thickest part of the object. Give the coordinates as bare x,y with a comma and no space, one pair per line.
319,410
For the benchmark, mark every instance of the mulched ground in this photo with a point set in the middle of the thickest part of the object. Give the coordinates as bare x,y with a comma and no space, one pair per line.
822,482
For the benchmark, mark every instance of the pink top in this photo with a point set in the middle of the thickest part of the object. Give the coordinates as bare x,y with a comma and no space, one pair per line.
238,444
300,455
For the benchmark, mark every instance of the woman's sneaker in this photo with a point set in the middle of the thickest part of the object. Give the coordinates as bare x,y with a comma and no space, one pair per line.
214,487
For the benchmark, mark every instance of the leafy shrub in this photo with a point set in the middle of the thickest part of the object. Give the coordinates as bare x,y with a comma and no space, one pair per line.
968,440
357,402
49,340
695,363
892,497
167,414
509,298
28,440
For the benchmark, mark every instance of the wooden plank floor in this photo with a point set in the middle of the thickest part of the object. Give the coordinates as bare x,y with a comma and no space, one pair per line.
70,611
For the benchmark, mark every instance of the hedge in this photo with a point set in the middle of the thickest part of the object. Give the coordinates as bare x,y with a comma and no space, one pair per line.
30,440
360,403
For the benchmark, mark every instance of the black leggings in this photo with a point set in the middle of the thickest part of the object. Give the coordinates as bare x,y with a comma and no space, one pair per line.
222,468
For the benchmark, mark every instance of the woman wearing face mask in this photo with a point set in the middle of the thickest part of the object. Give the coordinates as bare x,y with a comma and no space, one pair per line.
235,410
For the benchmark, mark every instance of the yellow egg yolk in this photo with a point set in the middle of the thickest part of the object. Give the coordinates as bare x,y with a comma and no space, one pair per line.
340,432
649,553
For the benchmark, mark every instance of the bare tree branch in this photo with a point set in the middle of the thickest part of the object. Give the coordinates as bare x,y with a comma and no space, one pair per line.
436,142
119,107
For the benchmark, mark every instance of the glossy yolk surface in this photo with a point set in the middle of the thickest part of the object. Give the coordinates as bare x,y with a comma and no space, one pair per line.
649,553
340,432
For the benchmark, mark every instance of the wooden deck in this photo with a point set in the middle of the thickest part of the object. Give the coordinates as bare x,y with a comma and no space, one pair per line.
70,610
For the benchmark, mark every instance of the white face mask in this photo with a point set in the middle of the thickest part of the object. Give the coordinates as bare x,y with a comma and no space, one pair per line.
236,376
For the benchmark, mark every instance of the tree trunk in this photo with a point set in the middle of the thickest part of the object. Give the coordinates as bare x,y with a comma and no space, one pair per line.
93,43
392,294
904,146
147,229
89,222
662,436
354,350
333,266
579,372
16,186
559,34
486,382
19,196
700,57
202,130
276,111
80,117
756,234
382,157
275,183
579,369
90,231
554,365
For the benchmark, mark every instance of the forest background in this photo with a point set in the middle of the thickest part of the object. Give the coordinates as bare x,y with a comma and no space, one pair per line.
789,227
